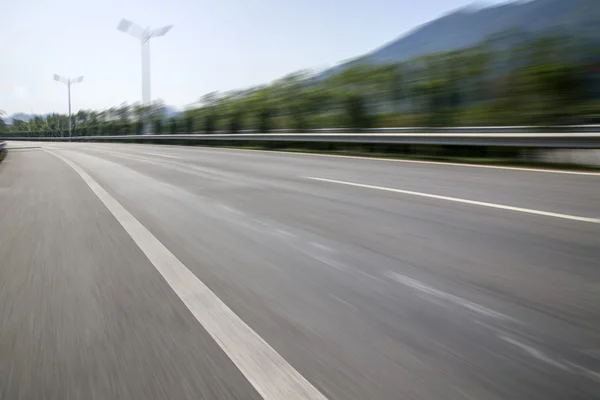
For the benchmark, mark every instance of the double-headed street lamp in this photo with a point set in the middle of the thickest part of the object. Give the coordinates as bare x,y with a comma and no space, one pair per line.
68,82
144,36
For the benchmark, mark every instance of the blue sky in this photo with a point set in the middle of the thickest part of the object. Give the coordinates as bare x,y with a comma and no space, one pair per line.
214,45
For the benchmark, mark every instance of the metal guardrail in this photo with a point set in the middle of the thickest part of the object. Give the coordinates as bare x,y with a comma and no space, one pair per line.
588,137
462,129
2,144
531,140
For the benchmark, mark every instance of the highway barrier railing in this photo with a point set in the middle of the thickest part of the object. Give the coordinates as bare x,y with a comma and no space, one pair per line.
571,140
589,128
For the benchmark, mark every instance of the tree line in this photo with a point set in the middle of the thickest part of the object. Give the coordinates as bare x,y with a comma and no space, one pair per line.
508,79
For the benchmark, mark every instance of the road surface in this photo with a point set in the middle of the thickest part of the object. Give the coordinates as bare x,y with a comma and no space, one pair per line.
162,272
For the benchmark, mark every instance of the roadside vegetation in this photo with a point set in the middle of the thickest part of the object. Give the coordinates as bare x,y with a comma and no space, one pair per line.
509,79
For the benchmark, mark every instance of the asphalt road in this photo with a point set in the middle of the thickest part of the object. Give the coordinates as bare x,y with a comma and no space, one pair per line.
163,272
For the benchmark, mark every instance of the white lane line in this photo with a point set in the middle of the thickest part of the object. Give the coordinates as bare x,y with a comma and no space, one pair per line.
464,201
322,247
163,155
562,364
332,263
428,290
534,352
134,156
272,376
118,153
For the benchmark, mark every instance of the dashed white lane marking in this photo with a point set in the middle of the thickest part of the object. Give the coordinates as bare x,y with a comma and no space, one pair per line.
534,352
322,247
561,364
272,376
162,155
428,290
330,262
464,201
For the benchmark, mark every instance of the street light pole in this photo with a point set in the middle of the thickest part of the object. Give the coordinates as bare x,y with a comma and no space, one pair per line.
69,90
146,95
68,82
144,36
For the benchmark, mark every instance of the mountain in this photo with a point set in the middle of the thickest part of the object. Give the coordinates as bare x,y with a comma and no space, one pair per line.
473,24
169,112
20,116
172,112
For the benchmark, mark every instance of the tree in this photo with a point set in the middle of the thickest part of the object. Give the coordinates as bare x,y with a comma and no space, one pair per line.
352,89
123,113
259,104
3,127
189,123
356,112
290,98
158,126
389,83
79,121
477,67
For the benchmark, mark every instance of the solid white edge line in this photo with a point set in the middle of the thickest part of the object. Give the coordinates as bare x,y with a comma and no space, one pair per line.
270,374
465,201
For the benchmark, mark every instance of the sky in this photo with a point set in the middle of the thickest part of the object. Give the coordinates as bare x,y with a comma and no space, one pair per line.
214,45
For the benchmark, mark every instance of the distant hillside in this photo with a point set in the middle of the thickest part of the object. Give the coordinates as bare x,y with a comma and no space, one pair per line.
170,112
471,25
19,116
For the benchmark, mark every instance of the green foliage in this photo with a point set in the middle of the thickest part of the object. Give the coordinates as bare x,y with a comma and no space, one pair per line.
235,122
189,124
3,126
209,123
356,112
139,127
264,120
158,126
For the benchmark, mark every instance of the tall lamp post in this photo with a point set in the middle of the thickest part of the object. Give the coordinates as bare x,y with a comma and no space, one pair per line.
144,36
68,82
